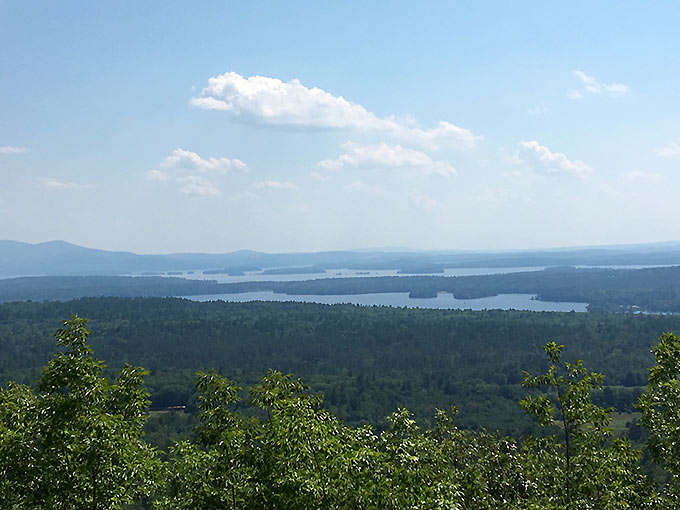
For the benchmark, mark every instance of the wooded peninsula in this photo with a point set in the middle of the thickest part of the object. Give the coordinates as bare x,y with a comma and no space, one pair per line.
655,290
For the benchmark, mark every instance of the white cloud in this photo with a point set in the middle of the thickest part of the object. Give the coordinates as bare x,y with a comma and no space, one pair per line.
540,158
270,101
49,182
276,185
188,170
382,155
358,186
157,175
197,185
188,160
669,151
8,149
589,85
574,94
424,201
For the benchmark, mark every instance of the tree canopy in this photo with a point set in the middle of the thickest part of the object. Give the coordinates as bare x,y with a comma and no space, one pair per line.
77,442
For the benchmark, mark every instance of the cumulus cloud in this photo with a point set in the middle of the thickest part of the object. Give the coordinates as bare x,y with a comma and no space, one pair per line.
270,101
671,150
589,85
424,201
188,160
190,172
540,158
382,155
49,182
276,185
8,149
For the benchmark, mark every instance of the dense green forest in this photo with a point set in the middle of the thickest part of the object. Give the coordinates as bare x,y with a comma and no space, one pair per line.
366,360
606,290
77,441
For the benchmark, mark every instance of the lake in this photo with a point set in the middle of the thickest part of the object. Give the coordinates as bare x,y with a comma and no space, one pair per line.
257,276
444,300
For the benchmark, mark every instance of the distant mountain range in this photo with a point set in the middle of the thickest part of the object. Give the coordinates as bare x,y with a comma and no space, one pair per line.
62,258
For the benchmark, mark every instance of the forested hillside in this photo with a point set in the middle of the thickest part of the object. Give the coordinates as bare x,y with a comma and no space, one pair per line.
77,442
366,360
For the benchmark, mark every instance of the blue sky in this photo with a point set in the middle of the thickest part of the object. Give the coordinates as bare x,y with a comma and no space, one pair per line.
298,126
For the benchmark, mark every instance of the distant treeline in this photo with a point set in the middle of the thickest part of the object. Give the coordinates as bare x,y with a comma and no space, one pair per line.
366,360
607,290
61,258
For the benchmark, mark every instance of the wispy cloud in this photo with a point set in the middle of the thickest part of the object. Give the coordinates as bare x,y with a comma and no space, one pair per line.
320,177
245,196
425,202
382,155
494,195
8,149
630,184
270,101
590,85
49,182
276,185
671,150
361,187
197,185
636,175
157,175
542,159
190,172
537,110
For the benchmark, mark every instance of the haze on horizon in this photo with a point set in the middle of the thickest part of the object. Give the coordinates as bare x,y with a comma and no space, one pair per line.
162,127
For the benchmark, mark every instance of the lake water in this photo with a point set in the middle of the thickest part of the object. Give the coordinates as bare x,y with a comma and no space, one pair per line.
444,300
256,276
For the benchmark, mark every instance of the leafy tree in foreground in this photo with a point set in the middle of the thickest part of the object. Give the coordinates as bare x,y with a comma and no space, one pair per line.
78,442
19,469
215,472
579,466
301,456
660,407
